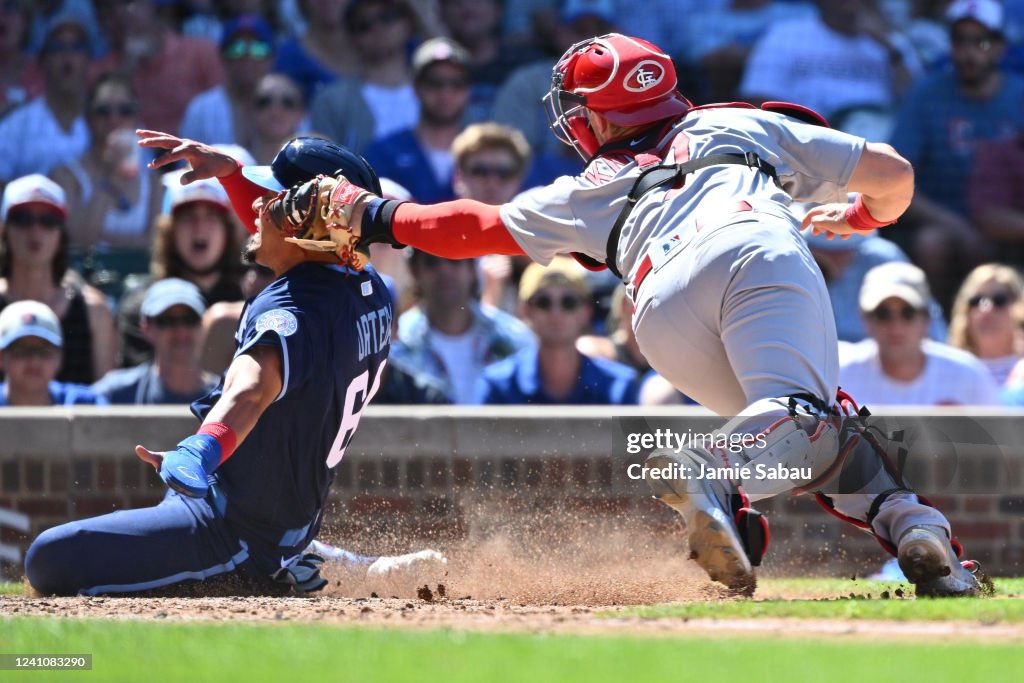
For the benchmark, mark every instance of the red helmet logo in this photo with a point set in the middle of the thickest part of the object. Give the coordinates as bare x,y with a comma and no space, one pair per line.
644,75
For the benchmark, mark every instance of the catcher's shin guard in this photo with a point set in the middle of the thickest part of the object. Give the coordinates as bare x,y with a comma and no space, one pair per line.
928,555
727,538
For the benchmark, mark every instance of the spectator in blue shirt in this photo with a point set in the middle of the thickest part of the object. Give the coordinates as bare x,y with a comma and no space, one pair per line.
420,158
556,303
171,316
31,346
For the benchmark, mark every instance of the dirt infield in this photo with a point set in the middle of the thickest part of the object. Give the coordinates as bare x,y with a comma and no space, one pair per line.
541,580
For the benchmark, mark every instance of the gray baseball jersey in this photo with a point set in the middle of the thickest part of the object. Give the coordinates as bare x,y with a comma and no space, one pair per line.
576,213
741,313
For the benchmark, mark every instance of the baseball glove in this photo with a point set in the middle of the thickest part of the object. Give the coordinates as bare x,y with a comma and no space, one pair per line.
316,216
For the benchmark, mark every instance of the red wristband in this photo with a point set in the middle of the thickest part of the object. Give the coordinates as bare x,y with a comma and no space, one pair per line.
859,218
224,435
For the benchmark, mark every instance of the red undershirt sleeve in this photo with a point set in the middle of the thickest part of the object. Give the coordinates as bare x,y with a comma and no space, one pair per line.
242,192
459,229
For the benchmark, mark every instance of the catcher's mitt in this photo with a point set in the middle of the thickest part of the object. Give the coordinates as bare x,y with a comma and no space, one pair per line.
316,215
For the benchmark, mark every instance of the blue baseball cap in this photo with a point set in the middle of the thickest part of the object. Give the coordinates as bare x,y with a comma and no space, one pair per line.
247,24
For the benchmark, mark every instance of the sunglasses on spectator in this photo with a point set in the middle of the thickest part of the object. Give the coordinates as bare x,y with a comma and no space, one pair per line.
23,218
983,44
254,49
285,101
57,46
166,322
123,109
441,83
545,302
1001,300
485,171
26,351
884,314
370,21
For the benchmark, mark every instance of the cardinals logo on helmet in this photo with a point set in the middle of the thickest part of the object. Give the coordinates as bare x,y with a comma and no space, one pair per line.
644,76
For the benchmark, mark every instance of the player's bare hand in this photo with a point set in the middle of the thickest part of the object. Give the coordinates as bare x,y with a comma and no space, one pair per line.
206,162
830,220
154,458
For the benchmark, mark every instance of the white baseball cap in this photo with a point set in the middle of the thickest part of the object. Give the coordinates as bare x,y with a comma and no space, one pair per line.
33,189
988,13
904,281
29,319
208,190
164,294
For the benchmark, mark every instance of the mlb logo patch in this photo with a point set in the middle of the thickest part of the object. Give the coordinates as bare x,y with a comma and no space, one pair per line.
367,288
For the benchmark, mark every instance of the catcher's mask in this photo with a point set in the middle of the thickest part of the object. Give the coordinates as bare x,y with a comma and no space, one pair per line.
304,158
626,80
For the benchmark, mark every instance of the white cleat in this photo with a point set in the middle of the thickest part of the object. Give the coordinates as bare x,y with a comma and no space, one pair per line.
929,562
714,540
405,573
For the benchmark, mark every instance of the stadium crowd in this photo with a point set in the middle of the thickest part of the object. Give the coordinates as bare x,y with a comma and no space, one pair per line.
123,286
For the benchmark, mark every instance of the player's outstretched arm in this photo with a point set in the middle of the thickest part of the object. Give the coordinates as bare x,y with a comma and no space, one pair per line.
885,181
252,382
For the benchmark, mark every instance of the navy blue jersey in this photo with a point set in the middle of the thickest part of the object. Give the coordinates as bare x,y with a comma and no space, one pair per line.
333,327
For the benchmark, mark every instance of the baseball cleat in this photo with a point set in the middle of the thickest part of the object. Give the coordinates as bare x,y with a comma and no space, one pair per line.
929,562
405,573
715,543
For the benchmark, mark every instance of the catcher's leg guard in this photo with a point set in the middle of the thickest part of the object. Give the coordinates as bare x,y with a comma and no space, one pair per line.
712,519
871,494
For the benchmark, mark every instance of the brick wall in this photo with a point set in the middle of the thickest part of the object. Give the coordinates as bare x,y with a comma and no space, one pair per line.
436,472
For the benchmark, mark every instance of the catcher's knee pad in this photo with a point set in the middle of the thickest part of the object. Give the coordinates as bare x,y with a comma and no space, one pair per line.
796,450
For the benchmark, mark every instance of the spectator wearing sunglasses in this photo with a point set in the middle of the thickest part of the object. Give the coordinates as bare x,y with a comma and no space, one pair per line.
112,196
982,321
420,157
379,100
166,69
449,335
278,115
898,365
31,345
50,129
490,164
172,314
556,304
223,114
34,265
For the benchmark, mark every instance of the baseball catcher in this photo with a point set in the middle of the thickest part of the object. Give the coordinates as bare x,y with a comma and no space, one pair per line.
690,206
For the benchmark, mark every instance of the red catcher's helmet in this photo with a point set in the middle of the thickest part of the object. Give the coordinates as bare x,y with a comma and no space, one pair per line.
626,80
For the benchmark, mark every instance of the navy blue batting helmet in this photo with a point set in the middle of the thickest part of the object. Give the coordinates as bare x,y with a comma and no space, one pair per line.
302,159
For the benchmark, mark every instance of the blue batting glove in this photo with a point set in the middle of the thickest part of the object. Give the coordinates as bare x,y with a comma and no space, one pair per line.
187,468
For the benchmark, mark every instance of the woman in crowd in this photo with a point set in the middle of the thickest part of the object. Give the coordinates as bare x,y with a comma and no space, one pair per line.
34,265
982,322
112,196
196,240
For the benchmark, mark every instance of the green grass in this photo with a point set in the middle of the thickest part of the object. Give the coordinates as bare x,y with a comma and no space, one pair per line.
153,652
11,588
848,599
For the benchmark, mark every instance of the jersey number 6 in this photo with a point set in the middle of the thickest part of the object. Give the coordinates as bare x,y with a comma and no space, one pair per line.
356,398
